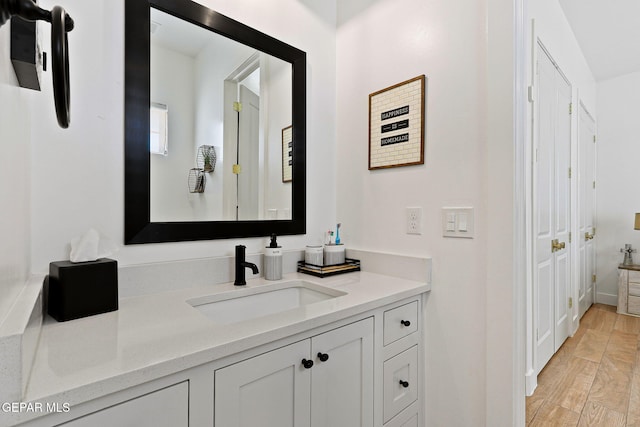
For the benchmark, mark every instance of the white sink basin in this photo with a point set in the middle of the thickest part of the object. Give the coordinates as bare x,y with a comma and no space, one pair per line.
250,303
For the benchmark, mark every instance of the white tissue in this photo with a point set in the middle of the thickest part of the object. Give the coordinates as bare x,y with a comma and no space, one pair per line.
91,246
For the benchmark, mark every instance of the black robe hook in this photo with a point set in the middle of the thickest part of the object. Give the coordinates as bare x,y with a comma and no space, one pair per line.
61,24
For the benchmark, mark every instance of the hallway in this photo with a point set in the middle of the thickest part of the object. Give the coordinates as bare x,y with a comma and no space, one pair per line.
594,379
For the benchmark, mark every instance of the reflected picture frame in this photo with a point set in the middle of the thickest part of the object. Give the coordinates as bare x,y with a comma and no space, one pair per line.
287,154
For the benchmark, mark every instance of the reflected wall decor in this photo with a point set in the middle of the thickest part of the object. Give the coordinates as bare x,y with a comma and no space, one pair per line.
396,125
287,154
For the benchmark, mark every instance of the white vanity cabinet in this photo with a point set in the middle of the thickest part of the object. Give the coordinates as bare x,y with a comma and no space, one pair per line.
326,380
365,369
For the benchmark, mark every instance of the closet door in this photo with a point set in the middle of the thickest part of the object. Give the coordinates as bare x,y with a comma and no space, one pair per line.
586,201
552,209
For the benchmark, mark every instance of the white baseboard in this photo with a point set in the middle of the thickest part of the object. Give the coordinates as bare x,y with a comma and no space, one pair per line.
608,299
531,382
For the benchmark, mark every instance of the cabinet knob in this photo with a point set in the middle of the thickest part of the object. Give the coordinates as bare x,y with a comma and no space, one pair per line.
323,357
307,363
404,384
405,323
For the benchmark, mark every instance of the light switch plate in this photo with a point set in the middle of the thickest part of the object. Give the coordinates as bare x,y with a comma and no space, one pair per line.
458,222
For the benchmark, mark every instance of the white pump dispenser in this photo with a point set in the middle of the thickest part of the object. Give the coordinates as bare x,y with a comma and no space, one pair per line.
273,260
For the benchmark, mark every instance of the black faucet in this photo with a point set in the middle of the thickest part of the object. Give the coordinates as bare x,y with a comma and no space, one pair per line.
241,264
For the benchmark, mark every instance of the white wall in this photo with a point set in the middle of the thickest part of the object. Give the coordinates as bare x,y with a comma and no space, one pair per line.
276,78
80,185
617,178
15,177
172,84
378,46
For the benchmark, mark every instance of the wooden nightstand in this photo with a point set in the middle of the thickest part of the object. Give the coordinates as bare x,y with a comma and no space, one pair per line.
629,289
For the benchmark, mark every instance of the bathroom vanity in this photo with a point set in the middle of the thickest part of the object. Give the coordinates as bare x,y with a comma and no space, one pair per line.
341,351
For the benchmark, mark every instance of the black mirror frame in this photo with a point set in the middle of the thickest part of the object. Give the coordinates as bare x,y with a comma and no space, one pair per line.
138,227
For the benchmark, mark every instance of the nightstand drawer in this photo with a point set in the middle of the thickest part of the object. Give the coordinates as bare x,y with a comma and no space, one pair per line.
633,305
400,382
400,322
634,276
634,289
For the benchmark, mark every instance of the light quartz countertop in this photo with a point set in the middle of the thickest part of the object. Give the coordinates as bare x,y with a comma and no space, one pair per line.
155,335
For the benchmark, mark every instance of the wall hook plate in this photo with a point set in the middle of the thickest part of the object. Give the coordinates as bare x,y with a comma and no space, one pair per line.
61,24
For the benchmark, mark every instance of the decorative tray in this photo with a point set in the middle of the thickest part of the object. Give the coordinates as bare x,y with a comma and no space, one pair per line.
329,270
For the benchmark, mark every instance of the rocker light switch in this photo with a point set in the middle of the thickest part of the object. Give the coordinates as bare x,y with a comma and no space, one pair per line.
462,222
457,222
451,222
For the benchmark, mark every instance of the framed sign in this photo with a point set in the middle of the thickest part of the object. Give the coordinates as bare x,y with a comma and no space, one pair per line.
396,125
287,154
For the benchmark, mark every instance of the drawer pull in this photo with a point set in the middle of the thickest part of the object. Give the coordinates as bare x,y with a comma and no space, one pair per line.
308,364
323,357
405,323
404,384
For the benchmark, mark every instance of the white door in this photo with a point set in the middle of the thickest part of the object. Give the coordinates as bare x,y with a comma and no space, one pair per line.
342,377
552,209
270,390
248,155
586,215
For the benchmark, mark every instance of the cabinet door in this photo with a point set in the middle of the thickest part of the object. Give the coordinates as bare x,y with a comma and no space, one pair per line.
168,407
342,385
270,390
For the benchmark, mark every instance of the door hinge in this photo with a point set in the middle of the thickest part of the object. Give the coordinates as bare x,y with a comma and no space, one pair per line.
571,108
594,184
594,139
569,237
570,302
237,106
532,96
593,278
569,172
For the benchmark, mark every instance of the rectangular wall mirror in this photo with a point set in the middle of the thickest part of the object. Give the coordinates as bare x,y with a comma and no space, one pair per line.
208,101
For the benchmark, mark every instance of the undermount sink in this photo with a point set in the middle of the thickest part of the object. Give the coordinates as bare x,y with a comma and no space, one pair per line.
251,303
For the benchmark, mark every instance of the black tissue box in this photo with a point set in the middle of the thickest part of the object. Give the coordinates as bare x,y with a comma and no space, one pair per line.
82,289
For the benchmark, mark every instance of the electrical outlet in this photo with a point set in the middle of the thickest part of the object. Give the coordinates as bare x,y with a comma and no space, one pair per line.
414,220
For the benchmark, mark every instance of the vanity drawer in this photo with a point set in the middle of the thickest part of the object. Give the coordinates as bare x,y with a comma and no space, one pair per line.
168,407
634,276
400,322
634,289
633,305
400,382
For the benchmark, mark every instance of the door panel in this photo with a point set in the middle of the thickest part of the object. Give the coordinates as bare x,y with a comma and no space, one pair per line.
342,385
270,390
586,197
552,209
248,155
562,151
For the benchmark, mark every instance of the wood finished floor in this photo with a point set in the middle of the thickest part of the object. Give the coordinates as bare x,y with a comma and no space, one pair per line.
594,379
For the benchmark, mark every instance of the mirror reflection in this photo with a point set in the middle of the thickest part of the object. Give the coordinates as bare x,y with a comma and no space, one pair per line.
220,117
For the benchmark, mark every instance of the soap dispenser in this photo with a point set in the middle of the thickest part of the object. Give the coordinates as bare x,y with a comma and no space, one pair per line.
273,260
